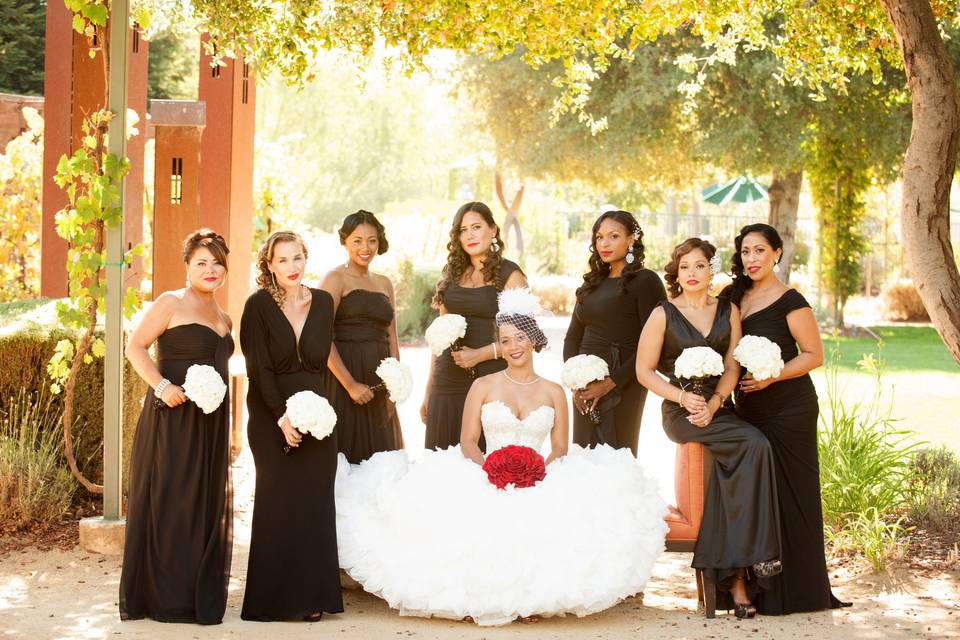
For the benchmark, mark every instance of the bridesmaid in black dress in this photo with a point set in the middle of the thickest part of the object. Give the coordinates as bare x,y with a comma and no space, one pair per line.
475,273
740,527
785,409
364,333
176,558
285,333
613,304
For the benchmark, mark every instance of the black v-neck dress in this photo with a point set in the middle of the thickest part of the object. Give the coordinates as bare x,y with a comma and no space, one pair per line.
740,525
787,413
293,568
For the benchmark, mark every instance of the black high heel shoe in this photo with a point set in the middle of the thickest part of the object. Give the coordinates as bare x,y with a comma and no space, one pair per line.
744,610
313,617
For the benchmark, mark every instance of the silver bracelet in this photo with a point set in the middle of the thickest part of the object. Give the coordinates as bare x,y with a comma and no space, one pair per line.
161,387
495,356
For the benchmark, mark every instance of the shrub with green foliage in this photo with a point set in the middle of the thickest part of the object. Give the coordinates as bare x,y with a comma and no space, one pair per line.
934,490
864,468
24,355
35,484
414,290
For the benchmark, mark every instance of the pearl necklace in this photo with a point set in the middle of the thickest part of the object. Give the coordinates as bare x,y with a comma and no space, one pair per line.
507,375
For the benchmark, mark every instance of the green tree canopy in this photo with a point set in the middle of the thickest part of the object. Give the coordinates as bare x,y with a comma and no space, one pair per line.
22,25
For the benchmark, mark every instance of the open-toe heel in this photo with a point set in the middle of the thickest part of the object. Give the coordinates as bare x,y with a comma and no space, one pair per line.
313,617
744,610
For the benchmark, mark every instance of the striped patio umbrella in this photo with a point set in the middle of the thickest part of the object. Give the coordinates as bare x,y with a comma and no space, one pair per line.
742,189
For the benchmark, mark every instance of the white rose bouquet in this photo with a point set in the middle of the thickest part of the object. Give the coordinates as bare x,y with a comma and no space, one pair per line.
760,356
311,414
446,331
696,364
581,370
396,377
204,386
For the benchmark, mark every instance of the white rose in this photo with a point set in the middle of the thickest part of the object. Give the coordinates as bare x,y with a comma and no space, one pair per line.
204,386
397,378
312,414
581,370
760,356
698,362
444,331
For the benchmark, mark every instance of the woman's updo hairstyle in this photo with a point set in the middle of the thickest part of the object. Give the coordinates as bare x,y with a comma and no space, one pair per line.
209,240
354,220
673,267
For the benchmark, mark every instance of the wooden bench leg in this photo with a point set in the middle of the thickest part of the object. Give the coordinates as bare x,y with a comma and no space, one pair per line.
706,594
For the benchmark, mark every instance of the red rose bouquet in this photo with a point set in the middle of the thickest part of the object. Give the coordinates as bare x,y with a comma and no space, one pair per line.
516,465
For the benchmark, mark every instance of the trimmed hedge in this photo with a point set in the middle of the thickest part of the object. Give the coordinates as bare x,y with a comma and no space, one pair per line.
23,364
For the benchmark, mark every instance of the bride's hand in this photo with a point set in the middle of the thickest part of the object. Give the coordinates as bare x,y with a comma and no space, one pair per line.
290,434
466,357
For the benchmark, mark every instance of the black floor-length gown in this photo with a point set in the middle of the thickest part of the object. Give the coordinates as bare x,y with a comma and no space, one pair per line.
787,413
361,333
176,557
450,383
293,568
740,525
607,323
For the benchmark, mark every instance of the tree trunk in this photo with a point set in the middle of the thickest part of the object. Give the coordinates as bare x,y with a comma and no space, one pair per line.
513,213
784,196
929,165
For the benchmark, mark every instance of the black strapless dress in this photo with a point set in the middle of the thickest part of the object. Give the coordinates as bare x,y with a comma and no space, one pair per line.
741,524
176,557
361,335
787,413
450,383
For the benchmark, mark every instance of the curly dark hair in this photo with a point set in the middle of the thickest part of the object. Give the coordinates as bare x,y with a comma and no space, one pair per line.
458,261
682,249
209,240
354,220
741,279
599,270
265,279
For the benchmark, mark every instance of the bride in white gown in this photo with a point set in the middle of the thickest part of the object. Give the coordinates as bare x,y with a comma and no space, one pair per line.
433,536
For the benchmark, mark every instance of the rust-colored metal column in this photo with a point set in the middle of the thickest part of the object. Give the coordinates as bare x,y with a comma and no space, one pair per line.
226,173
75,85
176,212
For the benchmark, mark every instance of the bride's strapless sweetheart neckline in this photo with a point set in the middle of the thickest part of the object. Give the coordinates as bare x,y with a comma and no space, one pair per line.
513,413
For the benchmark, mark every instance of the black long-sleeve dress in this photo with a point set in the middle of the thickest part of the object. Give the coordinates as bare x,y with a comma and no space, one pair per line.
607,322
176,557
450,383
787,412
293,568
740,525
361,333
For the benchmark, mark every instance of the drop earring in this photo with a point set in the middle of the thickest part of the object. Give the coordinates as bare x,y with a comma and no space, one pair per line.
274,276
776,268
494,245
629,258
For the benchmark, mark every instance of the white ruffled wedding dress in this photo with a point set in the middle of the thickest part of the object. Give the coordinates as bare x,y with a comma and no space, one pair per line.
433,537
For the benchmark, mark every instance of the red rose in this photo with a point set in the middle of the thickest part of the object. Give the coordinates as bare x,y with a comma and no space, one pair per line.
513,464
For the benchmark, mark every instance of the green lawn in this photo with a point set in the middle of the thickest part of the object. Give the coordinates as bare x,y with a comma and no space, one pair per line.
904,349
921,380
10,311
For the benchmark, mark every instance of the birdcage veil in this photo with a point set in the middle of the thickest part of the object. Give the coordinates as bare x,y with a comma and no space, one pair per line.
519,308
